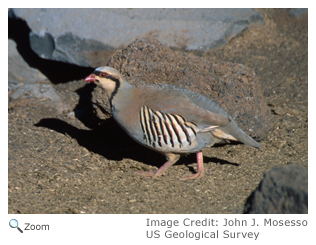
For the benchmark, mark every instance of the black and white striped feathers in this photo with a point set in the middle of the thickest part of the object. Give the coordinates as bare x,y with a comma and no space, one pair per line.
167,132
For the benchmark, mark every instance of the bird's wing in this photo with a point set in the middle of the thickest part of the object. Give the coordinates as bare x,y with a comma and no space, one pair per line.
189,112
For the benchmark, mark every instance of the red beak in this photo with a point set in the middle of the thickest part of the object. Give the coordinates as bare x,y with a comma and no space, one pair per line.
90,78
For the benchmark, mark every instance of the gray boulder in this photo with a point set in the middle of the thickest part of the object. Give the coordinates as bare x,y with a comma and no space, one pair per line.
283,190
28,86
89,37
19,71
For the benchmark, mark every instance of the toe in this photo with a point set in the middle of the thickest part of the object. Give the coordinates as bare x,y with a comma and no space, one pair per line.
193,176
150,173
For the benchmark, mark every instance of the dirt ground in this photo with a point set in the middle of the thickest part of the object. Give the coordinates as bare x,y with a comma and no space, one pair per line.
56,164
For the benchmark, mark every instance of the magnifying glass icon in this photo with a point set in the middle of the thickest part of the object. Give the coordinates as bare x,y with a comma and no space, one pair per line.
15,224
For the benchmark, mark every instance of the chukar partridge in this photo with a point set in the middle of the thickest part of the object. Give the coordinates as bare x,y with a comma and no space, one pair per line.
168,119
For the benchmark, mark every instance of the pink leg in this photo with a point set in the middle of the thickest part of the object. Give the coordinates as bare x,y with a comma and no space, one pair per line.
200,168
172,159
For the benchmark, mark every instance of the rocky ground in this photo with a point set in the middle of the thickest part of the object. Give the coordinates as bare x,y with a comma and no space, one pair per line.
60,164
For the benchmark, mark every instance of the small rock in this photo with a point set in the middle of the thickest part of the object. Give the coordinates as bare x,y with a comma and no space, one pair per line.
294,112
279,111
71,114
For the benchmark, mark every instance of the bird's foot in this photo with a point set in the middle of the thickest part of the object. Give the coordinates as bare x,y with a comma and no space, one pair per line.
198,175
172,158
200,168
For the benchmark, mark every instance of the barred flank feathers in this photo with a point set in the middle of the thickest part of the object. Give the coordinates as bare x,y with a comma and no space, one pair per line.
166,130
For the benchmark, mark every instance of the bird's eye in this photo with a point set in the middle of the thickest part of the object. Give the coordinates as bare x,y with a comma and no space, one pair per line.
104,74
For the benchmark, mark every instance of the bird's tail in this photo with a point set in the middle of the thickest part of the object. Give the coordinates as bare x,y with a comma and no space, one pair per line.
233,129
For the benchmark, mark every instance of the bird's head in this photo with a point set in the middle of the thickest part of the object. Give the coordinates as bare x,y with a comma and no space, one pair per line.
106,77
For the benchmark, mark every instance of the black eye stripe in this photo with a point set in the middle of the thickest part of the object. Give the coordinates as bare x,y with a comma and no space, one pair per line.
101,74
107,75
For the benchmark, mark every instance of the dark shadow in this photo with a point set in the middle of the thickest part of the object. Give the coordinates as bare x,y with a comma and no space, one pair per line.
191,158
221,144
55,71
223,162
108,140
84,110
